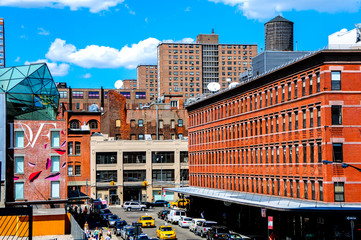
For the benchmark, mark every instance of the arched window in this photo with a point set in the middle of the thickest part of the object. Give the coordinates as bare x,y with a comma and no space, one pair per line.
93,124
74,124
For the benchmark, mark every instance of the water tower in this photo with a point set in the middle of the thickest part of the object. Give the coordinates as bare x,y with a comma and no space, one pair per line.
279,35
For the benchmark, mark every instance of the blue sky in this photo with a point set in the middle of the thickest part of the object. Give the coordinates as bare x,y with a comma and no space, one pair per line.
94,43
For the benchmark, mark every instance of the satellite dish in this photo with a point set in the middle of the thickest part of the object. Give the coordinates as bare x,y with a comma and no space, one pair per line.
213,86
118,84
231,85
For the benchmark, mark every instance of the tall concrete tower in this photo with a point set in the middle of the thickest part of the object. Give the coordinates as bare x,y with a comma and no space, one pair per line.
279,35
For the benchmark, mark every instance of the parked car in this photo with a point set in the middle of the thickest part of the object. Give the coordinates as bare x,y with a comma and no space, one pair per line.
146,221
160,203
181,203
119,226
127,232
174,215
103,213
166,232
163,213
129,206
232,236
203,228
143,236
112,219
147,204
217,232
184,222
193,224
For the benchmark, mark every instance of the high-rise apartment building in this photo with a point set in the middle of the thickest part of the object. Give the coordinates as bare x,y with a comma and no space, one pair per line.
187,68
2,44
147,76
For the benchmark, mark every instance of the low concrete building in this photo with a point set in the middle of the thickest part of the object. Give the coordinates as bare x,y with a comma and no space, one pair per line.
124,170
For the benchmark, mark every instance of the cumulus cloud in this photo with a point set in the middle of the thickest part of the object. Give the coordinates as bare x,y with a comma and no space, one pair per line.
56,70
93,5
94,56
265,9
42,31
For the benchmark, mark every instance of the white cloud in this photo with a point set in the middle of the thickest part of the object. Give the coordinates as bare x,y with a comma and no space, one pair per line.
94,56
266,9
17,59
130,10
93,5
87,75
146,20
42,31
188,9
56,70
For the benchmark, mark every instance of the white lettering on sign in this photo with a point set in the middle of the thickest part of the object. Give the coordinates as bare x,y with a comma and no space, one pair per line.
28,133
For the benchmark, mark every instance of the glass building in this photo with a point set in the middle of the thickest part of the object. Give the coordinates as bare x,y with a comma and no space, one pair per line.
30,92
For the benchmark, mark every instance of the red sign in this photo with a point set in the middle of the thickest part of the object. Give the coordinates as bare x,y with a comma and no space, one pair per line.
270,222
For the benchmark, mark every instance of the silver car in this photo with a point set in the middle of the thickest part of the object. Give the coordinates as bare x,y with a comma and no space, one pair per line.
184,222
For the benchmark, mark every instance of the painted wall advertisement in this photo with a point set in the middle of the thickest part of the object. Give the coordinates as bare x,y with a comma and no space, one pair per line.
2,135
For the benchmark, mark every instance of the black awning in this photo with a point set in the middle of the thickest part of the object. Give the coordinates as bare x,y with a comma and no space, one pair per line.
76,195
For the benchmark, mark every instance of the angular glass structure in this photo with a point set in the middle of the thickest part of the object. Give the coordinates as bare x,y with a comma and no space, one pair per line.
30,92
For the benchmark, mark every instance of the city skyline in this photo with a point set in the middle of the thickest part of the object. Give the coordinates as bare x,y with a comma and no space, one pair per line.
98,44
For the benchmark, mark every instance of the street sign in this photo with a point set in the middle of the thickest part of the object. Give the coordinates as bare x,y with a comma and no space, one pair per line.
270,222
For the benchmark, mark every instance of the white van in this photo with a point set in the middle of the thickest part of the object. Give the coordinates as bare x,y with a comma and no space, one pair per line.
174,215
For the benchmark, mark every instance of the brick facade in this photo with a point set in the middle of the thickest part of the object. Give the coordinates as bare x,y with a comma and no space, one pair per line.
272,134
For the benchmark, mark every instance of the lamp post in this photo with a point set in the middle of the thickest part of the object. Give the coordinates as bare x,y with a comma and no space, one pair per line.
343,165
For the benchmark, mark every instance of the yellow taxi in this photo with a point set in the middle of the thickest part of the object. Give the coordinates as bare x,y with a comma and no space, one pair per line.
146,221
181,203
166,232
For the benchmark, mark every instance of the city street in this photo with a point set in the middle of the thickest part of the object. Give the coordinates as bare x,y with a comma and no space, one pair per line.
133,216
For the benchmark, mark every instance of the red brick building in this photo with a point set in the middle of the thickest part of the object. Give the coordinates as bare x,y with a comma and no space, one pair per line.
270,137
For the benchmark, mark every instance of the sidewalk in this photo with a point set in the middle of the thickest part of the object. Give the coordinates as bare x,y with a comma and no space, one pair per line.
53,237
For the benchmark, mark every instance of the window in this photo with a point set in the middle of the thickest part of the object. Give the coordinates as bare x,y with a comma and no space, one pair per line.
55,189
336,112
289,91
93,94
172,124
106,157
19,190
19,139
70,170
339,191
162,157
63,94
55,139
184,157
163,175
184,175
19,165
55,163
77,148
140,137
290,153
296,120
318,109
312,152
117,123
134,175
77,170
78,94
304,118
310,86
295,89
283,93
290,121
107,176
313,190
283,122
74,124
134,157
306,189
160,124
319,152
140,95
318,81
180,123
70,148
174,103
93,124
140,123
335,80
297,154
311,118
304,148
321,190
126,94
337,152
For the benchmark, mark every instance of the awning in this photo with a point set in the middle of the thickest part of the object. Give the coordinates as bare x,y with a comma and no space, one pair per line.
266,201
76,195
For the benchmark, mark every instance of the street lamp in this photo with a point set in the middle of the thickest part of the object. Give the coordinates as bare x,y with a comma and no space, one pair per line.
343,165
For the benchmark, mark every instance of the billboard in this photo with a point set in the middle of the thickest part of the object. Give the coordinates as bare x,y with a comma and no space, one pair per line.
2,135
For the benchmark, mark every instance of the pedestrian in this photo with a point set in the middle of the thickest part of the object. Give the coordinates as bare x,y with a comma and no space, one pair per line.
202,214
85,210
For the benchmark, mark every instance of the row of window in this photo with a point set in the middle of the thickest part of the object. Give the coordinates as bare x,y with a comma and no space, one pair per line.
19,140
160,123
19,164
272,123
95,94
139,157
19,190
265,98
285,153
75,124
140,175
185,62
